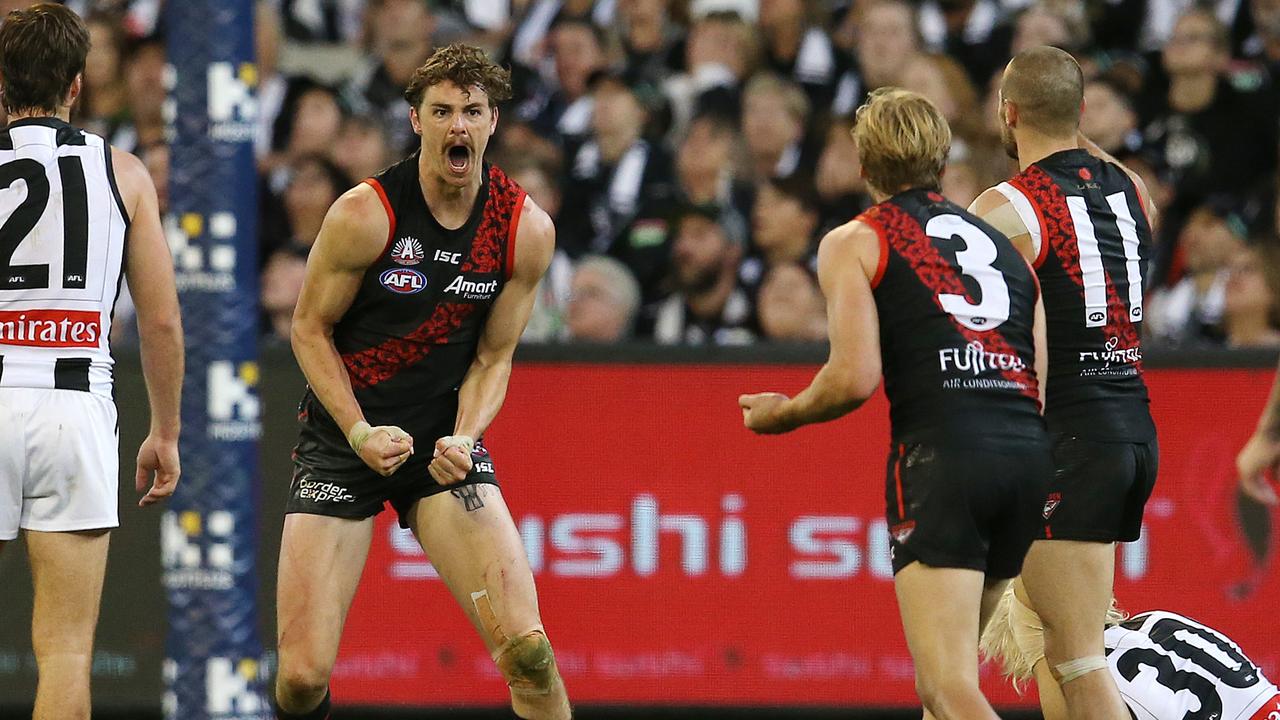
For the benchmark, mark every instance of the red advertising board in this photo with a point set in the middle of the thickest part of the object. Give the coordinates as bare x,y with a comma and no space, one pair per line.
681,560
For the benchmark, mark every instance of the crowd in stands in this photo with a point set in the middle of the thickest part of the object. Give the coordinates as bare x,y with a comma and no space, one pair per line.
694,152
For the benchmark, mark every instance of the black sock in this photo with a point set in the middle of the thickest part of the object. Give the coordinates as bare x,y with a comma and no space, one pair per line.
320,713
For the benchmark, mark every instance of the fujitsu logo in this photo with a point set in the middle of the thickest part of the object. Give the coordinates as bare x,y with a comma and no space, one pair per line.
974,358
50,328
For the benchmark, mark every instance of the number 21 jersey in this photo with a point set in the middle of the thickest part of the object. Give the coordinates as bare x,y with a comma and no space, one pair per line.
62,236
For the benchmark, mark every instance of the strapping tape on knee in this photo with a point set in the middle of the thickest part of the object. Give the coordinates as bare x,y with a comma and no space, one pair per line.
527,663
1078,668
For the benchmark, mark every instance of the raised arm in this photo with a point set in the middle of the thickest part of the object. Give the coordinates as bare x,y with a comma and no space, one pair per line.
847,260
149,272
1262,453
485,386
352,237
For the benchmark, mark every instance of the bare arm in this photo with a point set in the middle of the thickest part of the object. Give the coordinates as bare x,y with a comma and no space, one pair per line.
847,259
1262,453
1148,204
352,237
484,388
149,272
996,210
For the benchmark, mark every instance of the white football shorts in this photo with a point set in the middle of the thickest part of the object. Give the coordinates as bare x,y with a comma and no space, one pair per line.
59,461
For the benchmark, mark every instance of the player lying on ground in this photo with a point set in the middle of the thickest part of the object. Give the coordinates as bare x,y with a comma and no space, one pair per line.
1166,666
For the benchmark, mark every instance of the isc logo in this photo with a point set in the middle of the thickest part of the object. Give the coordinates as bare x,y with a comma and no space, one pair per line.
403,280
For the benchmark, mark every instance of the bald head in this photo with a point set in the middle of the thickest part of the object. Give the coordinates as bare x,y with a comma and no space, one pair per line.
1047,88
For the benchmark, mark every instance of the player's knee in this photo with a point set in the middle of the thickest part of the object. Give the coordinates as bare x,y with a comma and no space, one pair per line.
528,663
301,681
939,693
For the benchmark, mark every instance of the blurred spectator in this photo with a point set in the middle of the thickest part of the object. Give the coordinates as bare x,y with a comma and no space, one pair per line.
603,303
887,40
842,192
273,88
104,104
144,77
961,183
546,321
1251,309
720,54
784,224
615,177
1214,135
798,48
970,31
707,168
561,108
1060,23
1190,312
944,83
324,21
791,307
281,284
401,42
314,184
1264,45
775,113
652,42
707,305
1109,119
361,149
155,157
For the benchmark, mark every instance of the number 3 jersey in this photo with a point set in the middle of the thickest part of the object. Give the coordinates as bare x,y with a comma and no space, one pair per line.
956,306
1169,667
62,236
1087,220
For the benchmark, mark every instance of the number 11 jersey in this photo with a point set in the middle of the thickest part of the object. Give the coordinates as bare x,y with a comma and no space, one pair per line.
62,236
1088,223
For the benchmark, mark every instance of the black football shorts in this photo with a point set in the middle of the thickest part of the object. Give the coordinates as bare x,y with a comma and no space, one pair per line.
1099,489
966,507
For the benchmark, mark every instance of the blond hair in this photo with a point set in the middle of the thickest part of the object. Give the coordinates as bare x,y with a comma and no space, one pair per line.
1014,637
902,140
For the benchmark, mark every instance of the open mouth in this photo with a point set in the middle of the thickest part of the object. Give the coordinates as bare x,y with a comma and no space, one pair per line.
459,158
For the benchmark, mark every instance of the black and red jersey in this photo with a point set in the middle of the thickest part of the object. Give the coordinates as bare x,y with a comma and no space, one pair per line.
1094,240
956,304
411,333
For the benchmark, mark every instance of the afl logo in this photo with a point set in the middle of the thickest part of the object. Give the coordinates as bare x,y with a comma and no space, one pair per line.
1097,316
407,251
403,281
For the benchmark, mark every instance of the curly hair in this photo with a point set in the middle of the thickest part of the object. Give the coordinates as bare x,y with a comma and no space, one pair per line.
465,66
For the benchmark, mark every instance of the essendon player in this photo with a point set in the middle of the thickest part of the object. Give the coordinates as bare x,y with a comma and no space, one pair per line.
1167,667
1084,222
417,290
946,306
74,213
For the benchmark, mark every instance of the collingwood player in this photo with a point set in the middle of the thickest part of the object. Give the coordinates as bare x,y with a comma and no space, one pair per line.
75,214
946,306
1085,224
1166,666
417,290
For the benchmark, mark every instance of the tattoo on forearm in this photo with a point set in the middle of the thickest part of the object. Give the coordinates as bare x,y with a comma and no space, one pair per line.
470,497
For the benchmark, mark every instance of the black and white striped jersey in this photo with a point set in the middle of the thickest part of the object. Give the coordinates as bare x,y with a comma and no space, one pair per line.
62,235
1169,667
